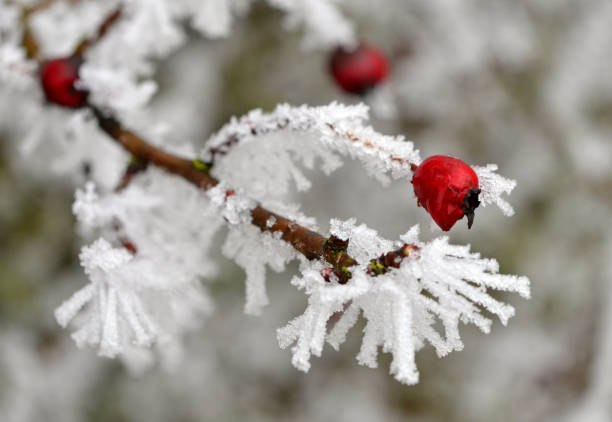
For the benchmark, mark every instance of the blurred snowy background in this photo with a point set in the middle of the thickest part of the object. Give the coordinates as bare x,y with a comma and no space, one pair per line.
524,84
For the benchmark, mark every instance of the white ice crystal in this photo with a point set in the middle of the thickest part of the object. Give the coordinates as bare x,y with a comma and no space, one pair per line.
118,311
492,186
233,206
151,298
438,281
324,130
253,250
117,89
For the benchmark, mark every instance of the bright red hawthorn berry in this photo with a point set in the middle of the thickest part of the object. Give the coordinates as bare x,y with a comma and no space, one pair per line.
447,188
58,78
357,71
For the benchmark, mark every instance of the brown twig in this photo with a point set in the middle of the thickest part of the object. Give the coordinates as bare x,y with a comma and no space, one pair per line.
309,243
392,259
135,166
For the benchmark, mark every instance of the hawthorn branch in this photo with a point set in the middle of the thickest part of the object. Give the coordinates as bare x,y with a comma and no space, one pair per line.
309,243
233,139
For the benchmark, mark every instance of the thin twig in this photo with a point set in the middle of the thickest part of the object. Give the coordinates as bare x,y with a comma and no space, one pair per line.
309,243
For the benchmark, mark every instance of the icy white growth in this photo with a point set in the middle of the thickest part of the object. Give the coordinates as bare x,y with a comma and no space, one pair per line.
253,250
324,25
273,160
93,211
118,312
492,186
334,128
64,144
438,281
152,298
234,207
117,89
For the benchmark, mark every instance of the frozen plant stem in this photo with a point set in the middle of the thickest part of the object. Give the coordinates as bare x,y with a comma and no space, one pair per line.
309,243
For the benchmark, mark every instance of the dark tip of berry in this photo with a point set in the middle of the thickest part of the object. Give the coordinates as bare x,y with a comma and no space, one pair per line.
470,203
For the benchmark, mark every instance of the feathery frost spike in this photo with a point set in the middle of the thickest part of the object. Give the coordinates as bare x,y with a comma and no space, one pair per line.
400,317
492,186
253,250
329,130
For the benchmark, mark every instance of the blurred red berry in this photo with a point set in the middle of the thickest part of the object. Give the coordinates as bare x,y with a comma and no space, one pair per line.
357,71
447,188
58,78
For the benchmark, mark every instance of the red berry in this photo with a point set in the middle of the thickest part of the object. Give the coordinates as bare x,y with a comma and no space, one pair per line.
447,188
58,78
356,71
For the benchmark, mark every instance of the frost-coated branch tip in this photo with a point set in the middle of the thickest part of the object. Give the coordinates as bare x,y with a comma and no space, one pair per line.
401,294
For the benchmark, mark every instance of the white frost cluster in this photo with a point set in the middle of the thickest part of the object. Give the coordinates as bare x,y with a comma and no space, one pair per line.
440,282
335,129
492,186
155,296
253,250
234,207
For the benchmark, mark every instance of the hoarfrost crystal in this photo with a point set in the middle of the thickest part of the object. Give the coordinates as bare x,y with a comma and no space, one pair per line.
439,282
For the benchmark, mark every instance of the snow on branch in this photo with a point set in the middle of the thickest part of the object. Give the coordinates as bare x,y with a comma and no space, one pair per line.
438,281
305,133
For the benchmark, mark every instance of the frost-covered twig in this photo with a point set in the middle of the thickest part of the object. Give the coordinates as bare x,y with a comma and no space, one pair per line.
402,294
338,129
309,243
